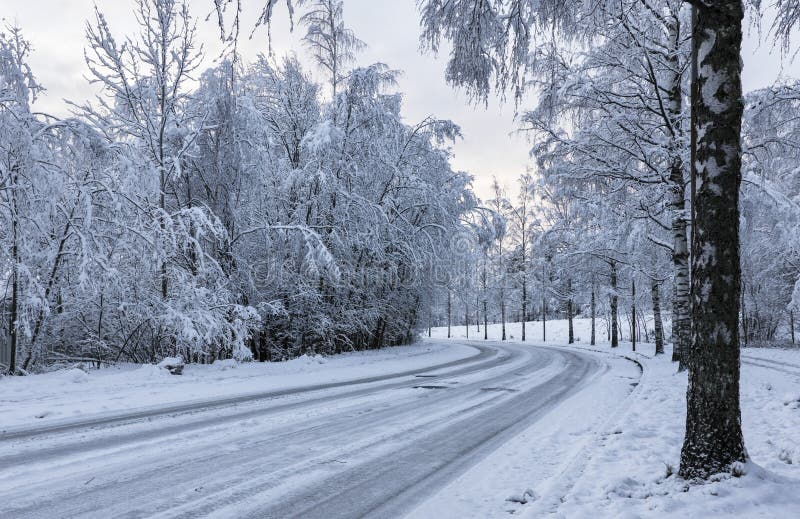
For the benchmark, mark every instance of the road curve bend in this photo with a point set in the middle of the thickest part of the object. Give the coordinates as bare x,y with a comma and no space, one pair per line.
370,448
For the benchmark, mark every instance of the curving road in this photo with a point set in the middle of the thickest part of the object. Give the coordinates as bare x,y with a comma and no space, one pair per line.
367,448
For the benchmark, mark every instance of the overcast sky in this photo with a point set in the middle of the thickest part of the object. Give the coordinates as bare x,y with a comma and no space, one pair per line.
389,27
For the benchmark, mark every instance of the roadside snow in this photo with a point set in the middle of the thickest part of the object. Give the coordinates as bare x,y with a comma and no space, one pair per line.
67,395
632,472
624,467
539,462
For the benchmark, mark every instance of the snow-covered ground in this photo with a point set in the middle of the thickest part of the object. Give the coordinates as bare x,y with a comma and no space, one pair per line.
623,466
365,449
76,395
461,429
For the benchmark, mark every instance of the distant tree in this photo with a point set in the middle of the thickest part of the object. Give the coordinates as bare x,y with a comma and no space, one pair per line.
521,224
331,43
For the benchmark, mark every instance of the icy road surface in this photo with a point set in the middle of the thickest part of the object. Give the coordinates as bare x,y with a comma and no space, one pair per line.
374,447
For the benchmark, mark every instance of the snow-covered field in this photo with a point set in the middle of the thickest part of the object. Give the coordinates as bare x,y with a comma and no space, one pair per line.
623,467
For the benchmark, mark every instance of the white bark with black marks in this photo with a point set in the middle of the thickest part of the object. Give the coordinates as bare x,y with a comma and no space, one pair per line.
713,440
614,305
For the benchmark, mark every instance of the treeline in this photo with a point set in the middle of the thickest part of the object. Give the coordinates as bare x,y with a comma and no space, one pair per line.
246,210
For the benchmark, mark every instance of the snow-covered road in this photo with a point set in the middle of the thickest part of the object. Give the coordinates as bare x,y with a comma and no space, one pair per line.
376,447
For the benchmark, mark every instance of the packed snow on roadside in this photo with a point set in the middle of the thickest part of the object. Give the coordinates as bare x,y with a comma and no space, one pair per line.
625,468
77,394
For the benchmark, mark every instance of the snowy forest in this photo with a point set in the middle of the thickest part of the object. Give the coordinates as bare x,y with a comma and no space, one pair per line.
243,210
211,208
601,225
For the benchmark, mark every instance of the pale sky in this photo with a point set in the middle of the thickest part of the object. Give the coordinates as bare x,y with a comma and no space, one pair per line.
389,27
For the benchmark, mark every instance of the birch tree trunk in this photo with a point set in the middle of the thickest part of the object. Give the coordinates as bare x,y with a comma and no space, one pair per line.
503,312
657,324
544,307
594,311
569,312
162,204
745,322
614,322
485,321
466,318
502,292
713,440
13,314
485,306
681,320
524,304
633,314
478,314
